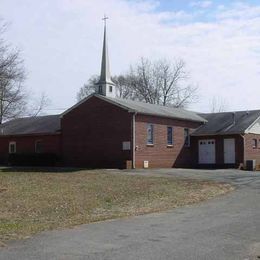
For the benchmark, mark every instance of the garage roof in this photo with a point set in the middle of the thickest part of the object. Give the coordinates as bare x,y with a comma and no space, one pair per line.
227,122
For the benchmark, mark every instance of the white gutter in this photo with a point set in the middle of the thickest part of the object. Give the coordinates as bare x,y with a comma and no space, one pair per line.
133,140
244,151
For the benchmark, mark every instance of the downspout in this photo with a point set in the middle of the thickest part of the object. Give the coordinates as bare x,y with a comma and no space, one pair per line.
133,140
244,151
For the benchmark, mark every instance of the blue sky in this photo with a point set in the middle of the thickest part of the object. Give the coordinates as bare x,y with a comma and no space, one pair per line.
61,41
187,5
191,6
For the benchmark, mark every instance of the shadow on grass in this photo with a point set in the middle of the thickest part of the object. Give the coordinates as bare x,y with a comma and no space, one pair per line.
41,169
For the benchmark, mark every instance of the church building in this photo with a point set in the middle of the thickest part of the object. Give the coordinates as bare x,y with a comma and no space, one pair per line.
104,131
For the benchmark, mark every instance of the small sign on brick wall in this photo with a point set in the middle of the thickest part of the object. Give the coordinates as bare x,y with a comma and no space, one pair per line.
126,146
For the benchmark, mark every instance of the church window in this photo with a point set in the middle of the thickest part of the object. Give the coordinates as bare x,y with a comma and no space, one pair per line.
12,147
169,135
149,134
186,137
110,88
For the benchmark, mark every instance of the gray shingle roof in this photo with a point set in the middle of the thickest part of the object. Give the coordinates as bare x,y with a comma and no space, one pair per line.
227,122
155,110
31,125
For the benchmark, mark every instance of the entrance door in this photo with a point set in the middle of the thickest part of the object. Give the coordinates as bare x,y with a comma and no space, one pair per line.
207,154
229,151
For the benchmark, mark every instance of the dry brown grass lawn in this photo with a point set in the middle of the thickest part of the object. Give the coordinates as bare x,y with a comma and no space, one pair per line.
34,201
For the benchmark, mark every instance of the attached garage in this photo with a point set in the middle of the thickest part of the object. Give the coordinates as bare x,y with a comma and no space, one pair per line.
227,139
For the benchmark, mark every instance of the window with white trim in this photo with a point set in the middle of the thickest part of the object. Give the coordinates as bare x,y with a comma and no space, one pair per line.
186,137
254,143
150,134
12,147
169,135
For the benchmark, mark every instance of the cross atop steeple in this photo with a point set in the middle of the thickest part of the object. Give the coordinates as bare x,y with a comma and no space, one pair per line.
105,85
105,19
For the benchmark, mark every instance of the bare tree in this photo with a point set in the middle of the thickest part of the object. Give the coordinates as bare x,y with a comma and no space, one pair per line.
38,105
122,82
88,88
124,89
12,76
14,100
218,105
162,82
158,82
144,81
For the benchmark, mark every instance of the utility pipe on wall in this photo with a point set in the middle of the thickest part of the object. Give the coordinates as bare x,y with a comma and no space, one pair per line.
133,141
244,150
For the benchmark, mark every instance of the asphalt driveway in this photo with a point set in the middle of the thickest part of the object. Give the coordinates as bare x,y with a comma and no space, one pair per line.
227,227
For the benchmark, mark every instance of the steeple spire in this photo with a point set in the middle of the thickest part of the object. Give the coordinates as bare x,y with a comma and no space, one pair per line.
105,84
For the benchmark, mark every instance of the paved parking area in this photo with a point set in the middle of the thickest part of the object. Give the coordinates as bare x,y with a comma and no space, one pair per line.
235,177
227,227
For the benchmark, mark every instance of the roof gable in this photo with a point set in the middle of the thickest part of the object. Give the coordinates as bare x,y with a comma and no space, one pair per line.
146,108
254,128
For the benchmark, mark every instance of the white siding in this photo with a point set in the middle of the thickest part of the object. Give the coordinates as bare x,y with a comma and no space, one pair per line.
255,128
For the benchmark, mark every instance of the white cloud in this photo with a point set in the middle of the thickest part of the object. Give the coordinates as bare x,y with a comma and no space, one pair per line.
61,42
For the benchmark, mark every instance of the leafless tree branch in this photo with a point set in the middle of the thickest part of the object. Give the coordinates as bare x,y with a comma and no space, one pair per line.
218,105
156,82
14,99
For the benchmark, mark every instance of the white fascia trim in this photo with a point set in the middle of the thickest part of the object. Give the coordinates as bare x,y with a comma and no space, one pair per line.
247,131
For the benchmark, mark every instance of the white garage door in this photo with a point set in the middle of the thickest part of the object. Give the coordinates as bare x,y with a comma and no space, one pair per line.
207,154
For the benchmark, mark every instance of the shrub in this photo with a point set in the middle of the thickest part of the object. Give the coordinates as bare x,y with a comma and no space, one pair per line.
32,159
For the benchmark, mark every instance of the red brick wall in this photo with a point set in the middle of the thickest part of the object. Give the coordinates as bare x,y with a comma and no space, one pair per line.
92,135
159,155
26,144
252,153
219,145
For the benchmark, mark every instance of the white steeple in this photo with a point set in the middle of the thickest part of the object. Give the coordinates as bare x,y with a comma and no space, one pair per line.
105,85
